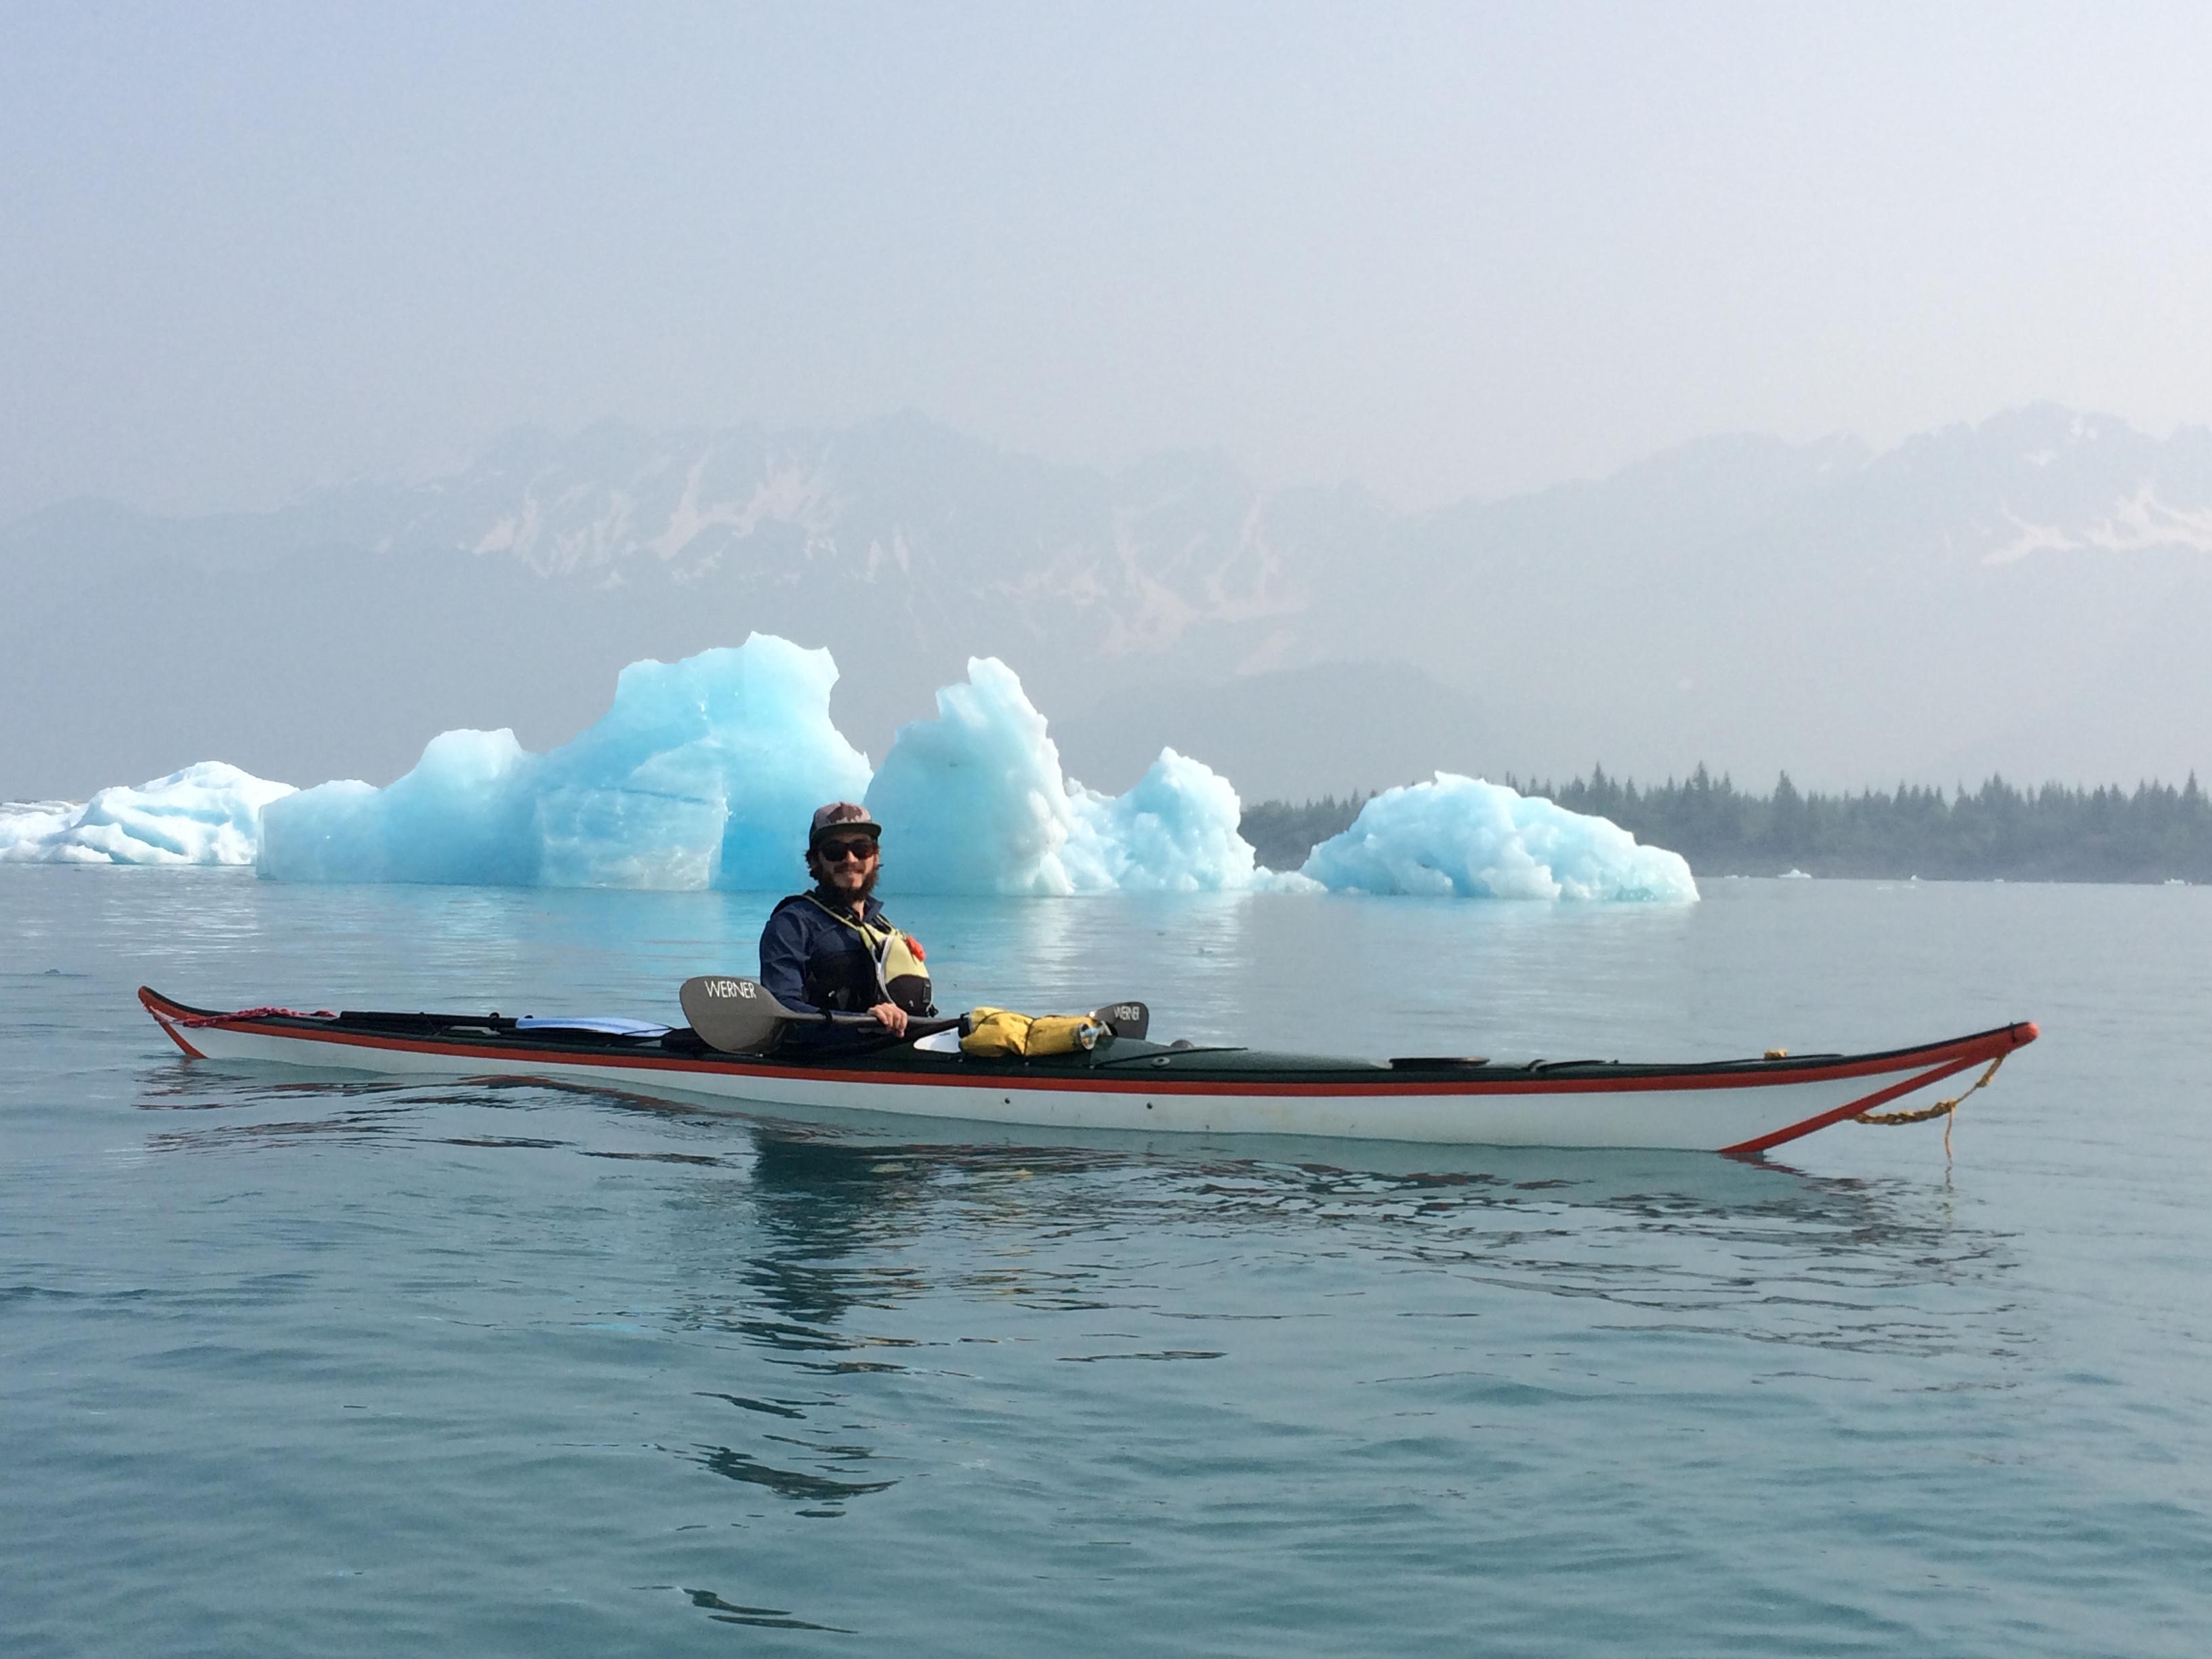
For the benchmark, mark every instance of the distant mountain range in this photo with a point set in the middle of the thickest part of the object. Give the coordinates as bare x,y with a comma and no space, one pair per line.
2031,595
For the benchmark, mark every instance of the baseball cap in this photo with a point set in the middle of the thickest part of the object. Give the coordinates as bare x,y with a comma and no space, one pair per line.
841,815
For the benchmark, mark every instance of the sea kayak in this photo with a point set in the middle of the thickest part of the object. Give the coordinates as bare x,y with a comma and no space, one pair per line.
1729,1106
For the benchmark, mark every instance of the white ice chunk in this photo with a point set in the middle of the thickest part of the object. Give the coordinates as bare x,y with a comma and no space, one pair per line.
1461,837
206,814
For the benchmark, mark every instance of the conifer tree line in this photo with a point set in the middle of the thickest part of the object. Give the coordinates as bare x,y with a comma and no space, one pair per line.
2055,832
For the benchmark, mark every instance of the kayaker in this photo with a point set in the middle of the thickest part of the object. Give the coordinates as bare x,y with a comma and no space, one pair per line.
830,948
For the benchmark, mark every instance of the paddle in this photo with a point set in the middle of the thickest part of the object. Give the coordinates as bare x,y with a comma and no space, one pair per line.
739,1017
1129,1020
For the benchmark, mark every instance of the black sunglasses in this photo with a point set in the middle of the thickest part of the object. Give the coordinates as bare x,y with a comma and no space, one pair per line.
837,852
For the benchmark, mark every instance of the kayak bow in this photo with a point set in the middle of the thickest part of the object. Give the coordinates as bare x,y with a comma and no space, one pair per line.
1729,1106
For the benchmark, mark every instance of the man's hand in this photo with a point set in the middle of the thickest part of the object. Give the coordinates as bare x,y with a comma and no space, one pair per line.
891,1017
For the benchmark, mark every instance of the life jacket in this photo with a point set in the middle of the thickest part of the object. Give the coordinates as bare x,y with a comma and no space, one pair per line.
900,972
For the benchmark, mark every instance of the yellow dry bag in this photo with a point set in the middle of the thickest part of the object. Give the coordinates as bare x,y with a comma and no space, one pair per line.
1002,1034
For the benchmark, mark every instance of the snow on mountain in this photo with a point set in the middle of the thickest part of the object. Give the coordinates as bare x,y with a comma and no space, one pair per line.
2140,524
2002,594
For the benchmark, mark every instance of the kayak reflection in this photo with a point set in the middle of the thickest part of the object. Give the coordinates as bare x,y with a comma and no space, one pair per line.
813,1255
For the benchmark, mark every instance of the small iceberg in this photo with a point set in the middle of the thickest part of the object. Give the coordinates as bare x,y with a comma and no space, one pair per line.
209,813
1460,837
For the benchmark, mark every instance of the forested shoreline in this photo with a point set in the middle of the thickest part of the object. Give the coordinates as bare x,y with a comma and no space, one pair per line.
2055,832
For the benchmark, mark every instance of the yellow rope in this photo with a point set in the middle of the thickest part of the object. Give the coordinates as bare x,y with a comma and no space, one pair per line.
1943,1109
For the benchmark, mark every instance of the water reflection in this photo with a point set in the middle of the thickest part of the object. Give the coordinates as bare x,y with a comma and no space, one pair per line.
355,1110
833,1231
789,1483
821,1259
732,1613
364,1126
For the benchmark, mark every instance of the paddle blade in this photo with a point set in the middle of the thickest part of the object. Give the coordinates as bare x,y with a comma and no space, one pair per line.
1127,1019
737,1016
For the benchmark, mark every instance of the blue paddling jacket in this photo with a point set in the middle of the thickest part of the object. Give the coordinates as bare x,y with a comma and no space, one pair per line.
815,958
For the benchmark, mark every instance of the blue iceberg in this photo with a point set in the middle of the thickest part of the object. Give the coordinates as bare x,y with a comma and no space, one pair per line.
695,777
975,802
703,774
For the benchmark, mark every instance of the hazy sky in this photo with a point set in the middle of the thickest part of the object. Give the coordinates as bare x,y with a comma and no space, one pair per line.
1445,251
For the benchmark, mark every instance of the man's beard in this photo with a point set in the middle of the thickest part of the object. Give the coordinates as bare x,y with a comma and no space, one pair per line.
867,885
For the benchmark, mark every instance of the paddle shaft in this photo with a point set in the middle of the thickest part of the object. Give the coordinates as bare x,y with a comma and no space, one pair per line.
915,1026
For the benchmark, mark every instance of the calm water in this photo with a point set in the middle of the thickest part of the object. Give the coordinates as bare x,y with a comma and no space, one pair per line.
318,1366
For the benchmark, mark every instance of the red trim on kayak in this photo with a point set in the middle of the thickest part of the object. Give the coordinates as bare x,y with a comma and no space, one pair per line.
176,1037
155,1005
1945,1058
1852,1109
2021,1035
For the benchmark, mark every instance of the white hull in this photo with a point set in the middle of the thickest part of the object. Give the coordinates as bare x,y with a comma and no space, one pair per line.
1746,1109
